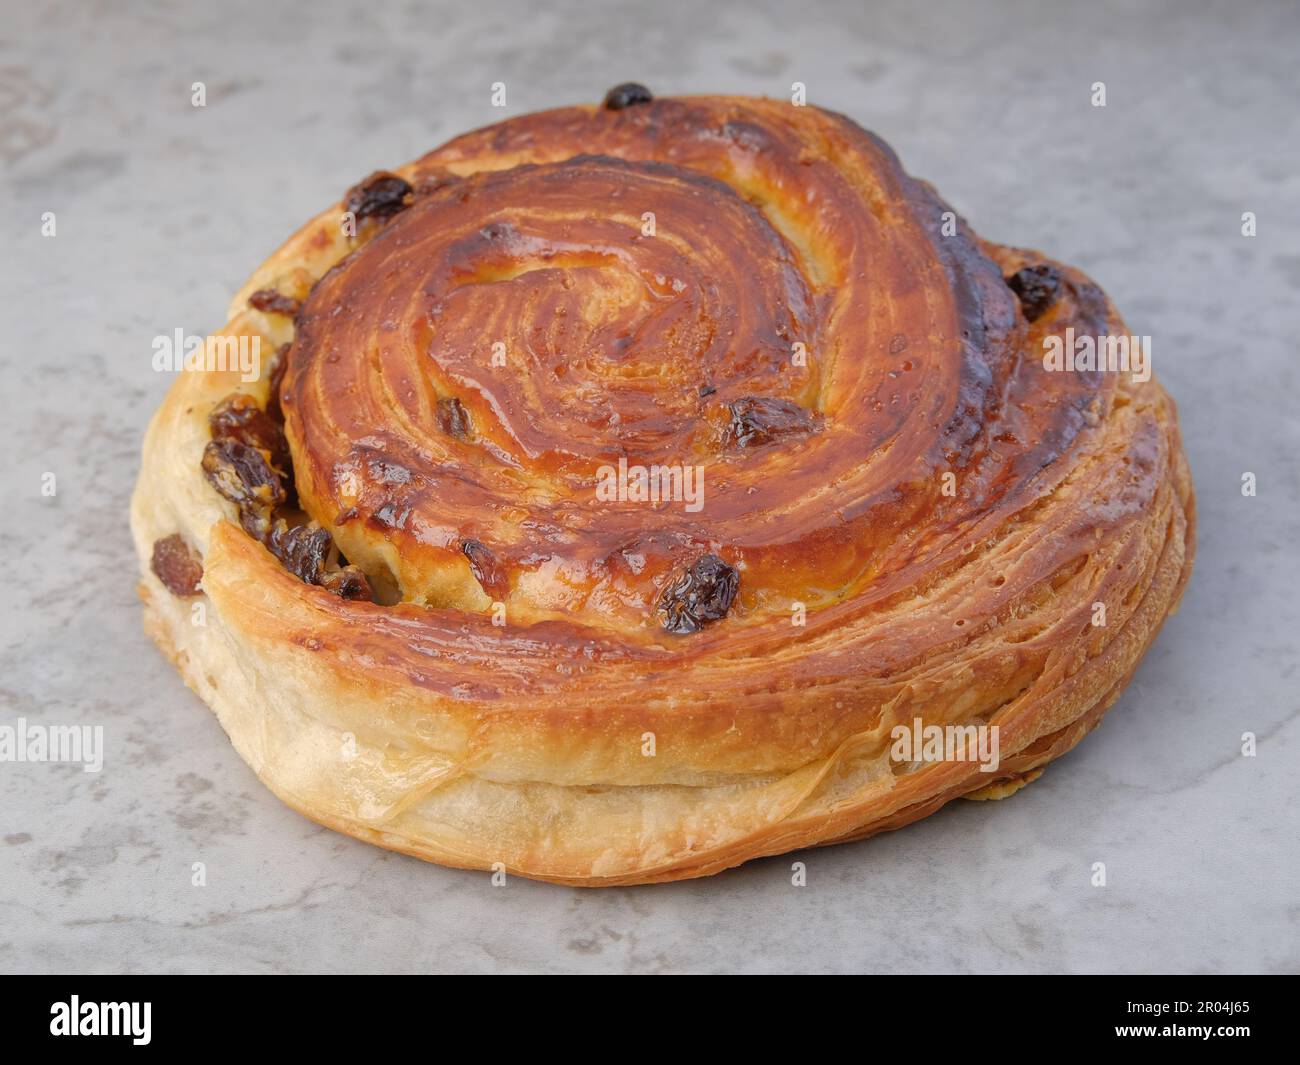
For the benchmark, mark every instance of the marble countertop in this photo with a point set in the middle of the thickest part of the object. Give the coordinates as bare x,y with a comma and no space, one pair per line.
162,209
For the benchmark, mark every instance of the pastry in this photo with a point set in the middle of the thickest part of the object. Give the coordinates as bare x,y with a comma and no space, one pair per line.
624,492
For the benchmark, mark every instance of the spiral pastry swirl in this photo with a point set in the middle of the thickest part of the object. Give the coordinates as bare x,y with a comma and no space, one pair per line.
643,469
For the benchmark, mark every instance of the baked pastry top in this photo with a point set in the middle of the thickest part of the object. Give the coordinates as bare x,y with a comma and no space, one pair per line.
617,481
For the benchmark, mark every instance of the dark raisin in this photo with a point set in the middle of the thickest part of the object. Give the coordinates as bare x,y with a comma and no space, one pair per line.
453,418
627,94
238,462
1037,288
304,550
706,390
238,417
272,302
176,565
380,196
701,594
758,420
241,474
301,549
486,569
348,583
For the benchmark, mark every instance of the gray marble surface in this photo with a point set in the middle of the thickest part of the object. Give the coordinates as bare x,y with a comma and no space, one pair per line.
163,209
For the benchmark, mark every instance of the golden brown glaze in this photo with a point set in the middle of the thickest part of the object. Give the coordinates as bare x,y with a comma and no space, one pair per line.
773,227
946,511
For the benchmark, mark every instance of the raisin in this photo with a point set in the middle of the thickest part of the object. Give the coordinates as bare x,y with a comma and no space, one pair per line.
241,474
627,94
301,549
1037,288
758,420
701,594
238,460
485,567
380,196
271,302
453,418
304,550
348,583
176,565
238,417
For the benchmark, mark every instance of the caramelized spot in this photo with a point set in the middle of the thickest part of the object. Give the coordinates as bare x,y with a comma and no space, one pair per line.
701,594
436,179
176,565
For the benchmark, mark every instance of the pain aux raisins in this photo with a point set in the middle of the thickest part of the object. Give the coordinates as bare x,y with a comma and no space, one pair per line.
701,594
1037,288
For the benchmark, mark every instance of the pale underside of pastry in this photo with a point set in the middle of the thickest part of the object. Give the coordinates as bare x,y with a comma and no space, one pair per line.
923,523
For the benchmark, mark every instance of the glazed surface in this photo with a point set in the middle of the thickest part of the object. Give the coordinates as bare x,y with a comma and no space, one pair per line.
791,261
